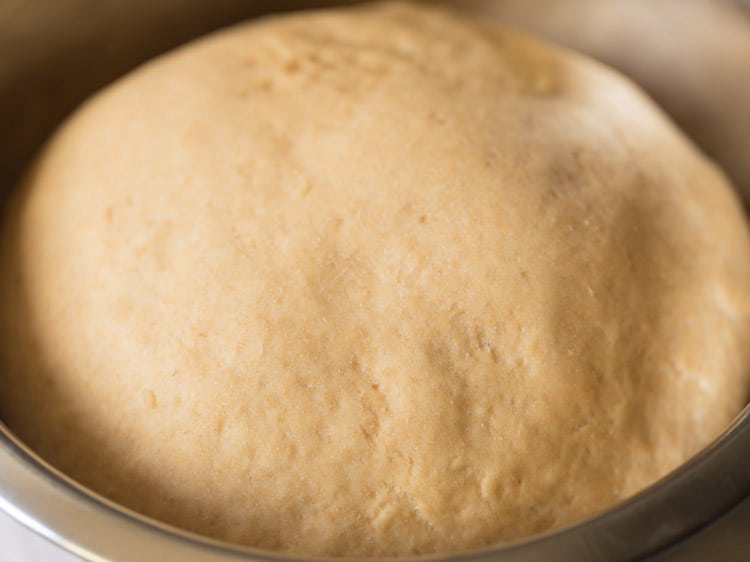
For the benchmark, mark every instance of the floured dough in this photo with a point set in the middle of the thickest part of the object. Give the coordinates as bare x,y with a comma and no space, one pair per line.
371,282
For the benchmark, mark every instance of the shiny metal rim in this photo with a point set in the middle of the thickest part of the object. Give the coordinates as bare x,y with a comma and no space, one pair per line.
95,529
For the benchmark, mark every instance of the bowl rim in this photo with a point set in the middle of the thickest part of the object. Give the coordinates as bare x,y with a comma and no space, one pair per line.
96,529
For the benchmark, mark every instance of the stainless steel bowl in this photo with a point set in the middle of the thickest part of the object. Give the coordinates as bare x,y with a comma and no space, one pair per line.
713,488
56,53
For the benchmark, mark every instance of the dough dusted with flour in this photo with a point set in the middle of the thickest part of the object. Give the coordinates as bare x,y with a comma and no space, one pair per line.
371,282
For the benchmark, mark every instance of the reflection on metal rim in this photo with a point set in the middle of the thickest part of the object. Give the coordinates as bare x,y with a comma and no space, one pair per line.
95,529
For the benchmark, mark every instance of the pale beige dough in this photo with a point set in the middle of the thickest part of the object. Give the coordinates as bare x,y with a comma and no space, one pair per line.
692,56
372,282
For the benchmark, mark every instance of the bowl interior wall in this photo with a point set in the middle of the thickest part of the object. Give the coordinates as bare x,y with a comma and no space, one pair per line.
56,53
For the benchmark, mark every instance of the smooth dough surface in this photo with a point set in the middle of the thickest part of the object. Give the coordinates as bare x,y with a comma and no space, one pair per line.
692,56
371,282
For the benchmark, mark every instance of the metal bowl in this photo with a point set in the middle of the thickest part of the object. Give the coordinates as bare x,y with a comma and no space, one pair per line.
62,51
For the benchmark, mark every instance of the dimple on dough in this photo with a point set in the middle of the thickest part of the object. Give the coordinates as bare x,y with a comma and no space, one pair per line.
371,282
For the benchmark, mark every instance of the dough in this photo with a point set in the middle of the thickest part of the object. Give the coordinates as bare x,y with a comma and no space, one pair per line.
692,56
371,282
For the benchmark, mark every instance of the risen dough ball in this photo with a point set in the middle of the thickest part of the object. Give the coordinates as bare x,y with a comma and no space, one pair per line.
372,282
692,56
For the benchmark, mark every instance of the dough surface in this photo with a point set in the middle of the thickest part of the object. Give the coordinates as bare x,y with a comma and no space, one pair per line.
371,282
700,75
